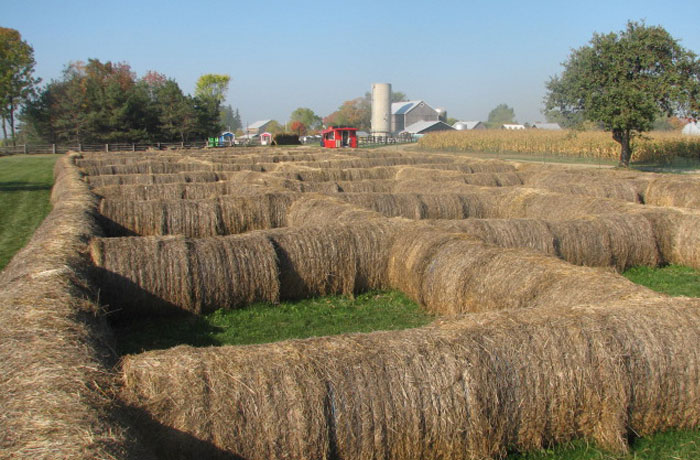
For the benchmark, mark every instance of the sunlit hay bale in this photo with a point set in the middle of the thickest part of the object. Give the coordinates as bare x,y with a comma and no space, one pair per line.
453,273
308,174
677,234
506,233
422,173
619,241
472,388
332,259
160,275
147,179
156,166
585,182
226,215
541,204
679,192
423,205
315,209
183,191
614,241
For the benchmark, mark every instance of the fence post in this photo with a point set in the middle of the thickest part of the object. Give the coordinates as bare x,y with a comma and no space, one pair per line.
182,144
80,147
133,147
53,149
106,147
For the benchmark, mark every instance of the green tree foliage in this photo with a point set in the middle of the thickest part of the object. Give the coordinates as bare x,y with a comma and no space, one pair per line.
97,102
501,115
307,117
625,81
353,113
16,80
230,119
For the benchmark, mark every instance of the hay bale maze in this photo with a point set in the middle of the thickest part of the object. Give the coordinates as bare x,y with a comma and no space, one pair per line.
538,340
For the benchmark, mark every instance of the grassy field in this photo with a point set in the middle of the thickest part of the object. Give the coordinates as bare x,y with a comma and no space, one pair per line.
25,186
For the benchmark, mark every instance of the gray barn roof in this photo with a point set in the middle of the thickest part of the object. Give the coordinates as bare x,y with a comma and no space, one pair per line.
420,126
401,108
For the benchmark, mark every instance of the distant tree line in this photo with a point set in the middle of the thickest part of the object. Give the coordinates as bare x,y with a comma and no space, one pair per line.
98,102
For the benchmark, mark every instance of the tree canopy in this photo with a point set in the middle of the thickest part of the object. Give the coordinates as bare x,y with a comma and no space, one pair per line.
626,81
98,102
306,117
501,114
16,79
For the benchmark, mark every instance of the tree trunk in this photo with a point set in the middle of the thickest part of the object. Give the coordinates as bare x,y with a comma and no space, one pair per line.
623,137
12,122
4,129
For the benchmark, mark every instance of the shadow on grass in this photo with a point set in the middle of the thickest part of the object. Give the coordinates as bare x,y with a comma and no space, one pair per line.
22,187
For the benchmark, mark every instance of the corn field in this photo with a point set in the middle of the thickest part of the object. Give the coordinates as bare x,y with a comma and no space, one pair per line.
651,147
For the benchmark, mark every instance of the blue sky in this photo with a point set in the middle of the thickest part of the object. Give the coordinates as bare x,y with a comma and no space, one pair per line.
466,56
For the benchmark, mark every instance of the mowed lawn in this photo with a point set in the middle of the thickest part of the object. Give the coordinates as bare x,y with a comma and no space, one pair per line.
25,186
25,183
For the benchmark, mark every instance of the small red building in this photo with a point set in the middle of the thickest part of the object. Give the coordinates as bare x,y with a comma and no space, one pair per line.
337,137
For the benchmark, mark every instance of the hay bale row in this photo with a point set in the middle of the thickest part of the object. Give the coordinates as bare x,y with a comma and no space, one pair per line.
56,387
226,215
678,192
167,167
189,191
475,388
149,179
320,210
602,241
586,183
452,273
677,235
162,275
448,273
334,174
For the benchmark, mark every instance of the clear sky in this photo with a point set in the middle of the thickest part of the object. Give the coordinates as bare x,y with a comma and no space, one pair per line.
466,56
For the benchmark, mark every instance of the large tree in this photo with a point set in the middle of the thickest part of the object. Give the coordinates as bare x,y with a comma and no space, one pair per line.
625,81
16,80
306,117
500,115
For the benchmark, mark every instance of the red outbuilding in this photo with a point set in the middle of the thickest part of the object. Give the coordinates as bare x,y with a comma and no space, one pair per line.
337,137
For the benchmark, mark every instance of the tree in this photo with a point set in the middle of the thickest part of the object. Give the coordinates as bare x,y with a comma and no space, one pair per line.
627,80
500,115
353,113
230,119
212,87
298,128
16,80
307,117
210,93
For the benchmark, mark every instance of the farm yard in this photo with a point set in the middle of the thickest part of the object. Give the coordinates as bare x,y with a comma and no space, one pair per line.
534,338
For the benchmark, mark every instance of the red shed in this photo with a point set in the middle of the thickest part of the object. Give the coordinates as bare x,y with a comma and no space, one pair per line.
337,137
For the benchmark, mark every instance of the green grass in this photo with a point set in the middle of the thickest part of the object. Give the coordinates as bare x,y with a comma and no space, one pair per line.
671,445
263,322
673,280
25,186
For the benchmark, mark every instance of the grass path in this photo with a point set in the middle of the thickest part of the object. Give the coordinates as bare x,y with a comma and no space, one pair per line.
25,186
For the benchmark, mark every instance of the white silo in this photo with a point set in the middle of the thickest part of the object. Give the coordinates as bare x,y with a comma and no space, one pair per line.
381,109
442,114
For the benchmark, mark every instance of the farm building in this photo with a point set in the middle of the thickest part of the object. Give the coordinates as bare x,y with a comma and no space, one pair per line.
691,129
512,127
469,125
547,126
406,113
258,127
424,127
337,137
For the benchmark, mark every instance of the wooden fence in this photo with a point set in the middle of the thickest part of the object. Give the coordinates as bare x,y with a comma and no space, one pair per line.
33,149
